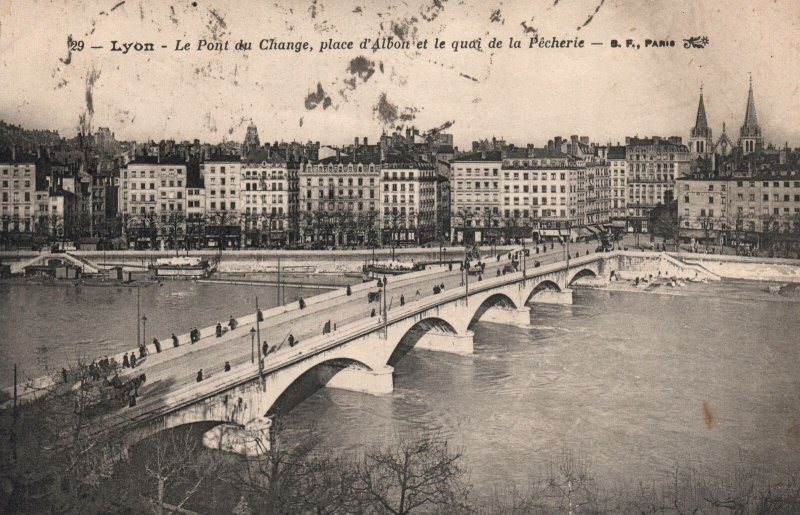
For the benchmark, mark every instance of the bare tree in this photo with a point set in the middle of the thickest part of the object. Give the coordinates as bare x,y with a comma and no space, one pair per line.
175,224
57,458
421,472
175,468
291,476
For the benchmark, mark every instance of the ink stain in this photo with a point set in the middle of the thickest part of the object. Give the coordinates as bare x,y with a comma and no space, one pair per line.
496,17
362,68
385,111
388,113
316,98
591,16
529,31
91,79
119,4
468,77
708,416
69,54
432,11
793,437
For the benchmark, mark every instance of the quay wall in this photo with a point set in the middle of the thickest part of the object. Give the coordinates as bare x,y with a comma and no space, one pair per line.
300,261
743,267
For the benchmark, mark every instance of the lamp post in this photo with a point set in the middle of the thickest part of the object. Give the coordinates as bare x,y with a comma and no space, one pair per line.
385,311
144,329
138,316
569,237
253,344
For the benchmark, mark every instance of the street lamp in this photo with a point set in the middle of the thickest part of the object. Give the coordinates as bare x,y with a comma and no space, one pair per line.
253,344
144,329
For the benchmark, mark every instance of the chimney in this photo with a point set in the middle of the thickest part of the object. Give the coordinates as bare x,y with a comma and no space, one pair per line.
365,141
338,155
356,145
574,145
557,143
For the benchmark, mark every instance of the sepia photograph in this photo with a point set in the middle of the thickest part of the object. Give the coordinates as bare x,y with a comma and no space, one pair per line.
400,257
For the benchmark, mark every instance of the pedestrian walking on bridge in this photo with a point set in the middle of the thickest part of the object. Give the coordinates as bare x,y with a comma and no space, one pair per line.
402,300
227,366
199,375
265,348
133,360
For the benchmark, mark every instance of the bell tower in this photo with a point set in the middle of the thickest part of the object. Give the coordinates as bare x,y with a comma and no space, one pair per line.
700,141
750,139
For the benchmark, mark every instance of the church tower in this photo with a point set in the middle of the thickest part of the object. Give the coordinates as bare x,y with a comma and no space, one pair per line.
251,142
700,142
750,139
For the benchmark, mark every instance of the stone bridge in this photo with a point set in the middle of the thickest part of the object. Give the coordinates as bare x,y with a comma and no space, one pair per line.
358,356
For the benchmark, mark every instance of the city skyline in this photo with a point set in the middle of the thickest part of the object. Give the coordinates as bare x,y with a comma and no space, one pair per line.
214,96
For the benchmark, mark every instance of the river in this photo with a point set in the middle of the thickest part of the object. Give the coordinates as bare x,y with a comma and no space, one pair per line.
636,382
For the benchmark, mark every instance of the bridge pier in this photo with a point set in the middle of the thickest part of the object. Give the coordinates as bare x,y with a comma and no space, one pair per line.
519,316
251,440
553,297
374,382
447,342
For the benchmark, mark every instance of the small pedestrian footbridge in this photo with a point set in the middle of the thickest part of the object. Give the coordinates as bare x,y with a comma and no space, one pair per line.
55,259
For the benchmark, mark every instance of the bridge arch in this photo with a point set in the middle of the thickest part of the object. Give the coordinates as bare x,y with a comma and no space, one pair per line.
496,300
585,272
419,331
546,285
309,381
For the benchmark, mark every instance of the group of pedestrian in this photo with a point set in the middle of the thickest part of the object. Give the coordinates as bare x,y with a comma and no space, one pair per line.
232,323
194,335
142,351
101,368
129,362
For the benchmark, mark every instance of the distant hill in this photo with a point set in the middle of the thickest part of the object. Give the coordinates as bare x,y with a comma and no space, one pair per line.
24,138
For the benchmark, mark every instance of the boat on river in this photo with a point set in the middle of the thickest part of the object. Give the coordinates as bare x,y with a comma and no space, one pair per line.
180,268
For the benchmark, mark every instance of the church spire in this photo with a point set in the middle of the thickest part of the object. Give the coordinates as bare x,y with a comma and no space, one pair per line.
750,139
750,118
701,122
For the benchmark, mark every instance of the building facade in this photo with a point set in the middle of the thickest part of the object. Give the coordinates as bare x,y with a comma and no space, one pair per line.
752,210
653,166
475,196
339,200
408,207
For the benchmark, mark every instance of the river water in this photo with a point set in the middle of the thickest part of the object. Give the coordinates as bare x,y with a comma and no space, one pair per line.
635,382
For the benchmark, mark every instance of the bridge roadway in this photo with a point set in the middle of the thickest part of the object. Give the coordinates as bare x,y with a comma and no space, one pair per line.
171,383
179,367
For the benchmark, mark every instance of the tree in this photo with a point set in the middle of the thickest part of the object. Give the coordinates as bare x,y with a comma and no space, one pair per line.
57,458
421,472
167,470
175,223
736,228
293,477
707,224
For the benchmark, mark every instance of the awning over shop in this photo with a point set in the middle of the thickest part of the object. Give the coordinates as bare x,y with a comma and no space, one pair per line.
554,232
594,229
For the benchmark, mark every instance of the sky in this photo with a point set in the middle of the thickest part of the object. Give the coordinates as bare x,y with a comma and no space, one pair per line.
522,95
